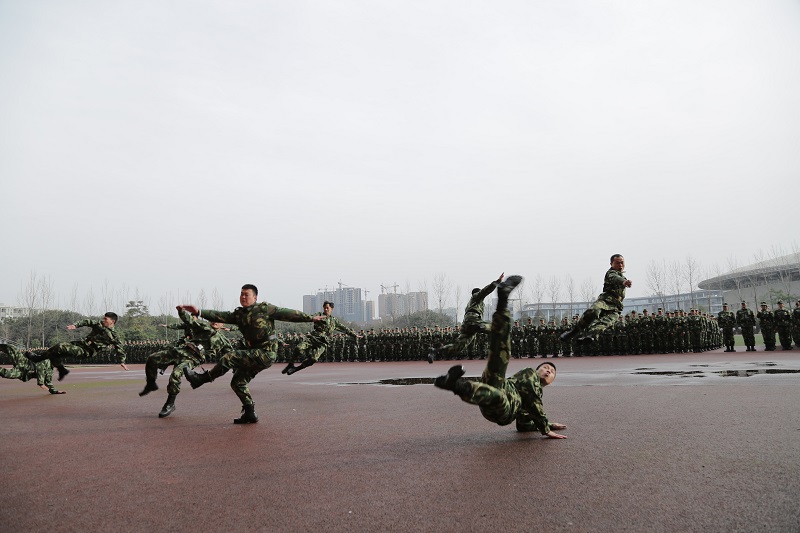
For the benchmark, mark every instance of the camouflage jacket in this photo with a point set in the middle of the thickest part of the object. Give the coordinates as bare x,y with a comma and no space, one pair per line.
475,307
745,317
325,328
257,322
783,317
531,412
613,290
102,337
726,319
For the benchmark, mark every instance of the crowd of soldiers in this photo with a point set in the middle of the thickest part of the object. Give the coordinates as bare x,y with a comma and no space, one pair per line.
634,333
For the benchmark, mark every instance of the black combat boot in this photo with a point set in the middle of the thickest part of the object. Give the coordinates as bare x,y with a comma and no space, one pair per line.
504,289
453,380
62,372
294,369
432,353
149,387
248,415
196,379
288,369
168,407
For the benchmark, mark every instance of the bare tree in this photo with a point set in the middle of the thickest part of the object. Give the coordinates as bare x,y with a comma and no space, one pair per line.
216,299
657,280
457,293
73,299
107,296
28,298
554,291
588,291
675,278
202,299
569,285
441,290
780,263
537,291
89,303
691,269
45,288
737,279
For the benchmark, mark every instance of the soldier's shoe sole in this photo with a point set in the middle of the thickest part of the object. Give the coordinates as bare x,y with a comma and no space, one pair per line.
166,412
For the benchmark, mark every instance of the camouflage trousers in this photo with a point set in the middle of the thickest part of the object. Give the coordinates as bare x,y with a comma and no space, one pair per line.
597,318
498,401
308,351
727,337
75,349
23,369
785,336
466,336
246,364
748,335
768,334
179,357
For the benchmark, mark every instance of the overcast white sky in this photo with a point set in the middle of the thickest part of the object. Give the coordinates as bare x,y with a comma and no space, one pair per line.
171,147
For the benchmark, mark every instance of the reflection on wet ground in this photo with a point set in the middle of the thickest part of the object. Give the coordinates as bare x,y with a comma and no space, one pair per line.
698,371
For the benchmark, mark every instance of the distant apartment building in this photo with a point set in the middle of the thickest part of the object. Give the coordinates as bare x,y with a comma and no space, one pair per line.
348,304
393,305
10,311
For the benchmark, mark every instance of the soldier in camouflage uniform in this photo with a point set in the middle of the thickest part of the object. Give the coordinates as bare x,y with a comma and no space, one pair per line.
309,351
24,370
746,320
766,320
504,400
727,321
783,323
604,312
258,348
101,337
472,325
796,323
199,339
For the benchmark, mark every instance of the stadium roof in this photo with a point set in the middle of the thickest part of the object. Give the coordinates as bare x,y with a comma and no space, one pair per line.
775,270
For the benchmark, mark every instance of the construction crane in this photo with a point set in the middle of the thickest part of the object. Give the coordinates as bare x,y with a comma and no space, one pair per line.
385,288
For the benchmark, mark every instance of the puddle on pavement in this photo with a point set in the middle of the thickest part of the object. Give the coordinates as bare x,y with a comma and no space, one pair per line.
681,373
748,373
404,381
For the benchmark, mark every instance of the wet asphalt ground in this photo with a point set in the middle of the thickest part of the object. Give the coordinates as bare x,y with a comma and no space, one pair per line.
690,442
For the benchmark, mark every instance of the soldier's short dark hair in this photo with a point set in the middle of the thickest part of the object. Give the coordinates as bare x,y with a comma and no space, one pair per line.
547,363
614,257
251,287
476,290
112,316
326,302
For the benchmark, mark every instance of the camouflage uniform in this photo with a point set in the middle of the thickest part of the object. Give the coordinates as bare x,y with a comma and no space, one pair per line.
766,320
315,343
97,340
200,340
24,369
504,400
783,323
604,311
796,323
473,322
258,347
746,321
727,321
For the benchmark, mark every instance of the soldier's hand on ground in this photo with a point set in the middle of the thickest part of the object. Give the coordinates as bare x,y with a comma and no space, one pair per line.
554,435
43,387
124,366
556,425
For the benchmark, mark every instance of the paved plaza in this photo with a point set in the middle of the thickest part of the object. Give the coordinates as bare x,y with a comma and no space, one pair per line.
690,442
